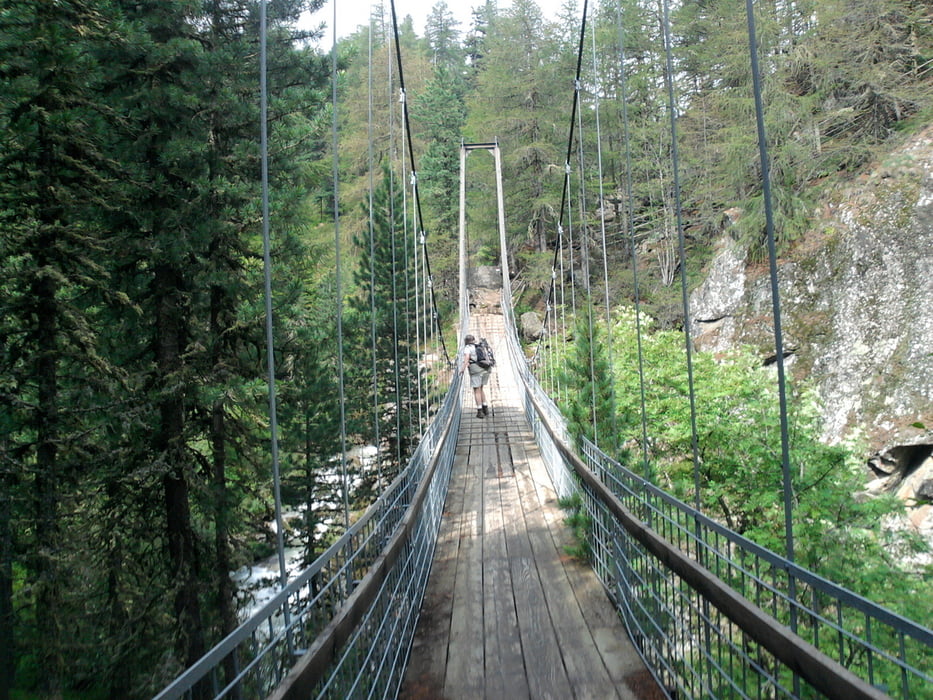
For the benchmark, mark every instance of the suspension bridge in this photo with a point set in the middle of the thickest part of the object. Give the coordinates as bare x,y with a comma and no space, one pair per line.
456,582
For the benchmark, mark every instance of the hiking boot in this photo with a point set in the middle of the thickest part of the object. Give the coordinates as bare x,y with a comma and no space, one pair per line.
479,413
485,410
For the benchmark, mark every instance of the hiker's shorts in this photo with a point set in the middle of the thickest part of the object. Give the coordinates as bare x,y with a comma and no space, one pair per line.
479,376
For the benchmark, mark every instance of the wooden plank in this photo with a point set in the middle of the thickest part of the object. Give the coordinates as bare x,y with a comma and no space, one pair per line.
600,618
505,668
546,672
585,672
465,649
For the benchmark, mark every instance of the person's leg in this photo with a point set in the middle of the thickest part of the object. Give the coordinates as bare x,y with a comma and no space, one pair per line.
483,405
478,397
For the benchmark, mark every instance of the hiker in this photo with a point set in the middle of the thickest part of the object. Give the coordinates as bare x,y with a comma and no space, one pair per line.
479,376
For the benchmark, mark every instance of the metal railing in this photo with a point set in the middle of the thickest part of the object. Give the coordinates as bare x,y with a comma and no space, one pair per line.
702,649
712,613
343,627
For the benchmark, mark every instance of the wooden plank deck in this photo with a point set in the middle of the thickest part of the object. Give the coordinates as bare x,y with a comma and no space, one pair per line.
507,613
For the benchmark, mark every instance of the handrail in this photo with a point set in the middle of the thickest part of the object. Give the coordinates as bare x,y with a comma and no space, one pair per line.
917,631
825,674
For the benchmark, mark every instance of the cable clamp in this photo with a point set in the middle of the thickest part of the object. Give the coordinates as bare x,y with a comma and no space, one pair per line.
567,168
401,95
576,84
424,238
414,178
560,229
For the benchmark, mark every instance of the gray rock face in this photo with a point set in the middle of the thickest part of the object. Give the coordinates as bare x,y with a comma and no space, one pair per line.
486,276
716,307
856,303
857,310
485,289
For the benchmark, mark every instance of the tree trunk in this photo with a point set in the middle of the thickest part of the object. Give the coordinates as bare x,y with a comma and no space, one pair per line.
218,432
170,343
120,683
224,585
47,600
7,640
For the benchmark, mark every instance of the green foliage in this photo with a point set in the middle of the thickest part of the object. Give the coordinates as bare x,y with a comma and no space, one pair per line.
843,537
441,112
384,335
591,406
132,399
580,524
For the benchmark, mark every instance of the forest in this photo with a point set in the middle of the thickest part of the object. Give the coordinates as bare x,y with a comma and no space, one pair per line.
135,464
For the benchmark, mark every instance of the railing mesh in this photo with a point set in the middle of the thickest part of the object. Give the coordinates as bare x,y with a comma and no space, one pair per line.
700,652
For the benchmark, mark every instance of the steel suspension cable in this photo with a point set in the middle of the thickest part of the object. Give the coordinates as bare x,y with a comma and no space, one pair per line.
573,286
585,269
602,233
602,195
410,260
630,223
267,289
419,220
775,302
339,283
406,278
393,244
420,337
675,164
372,267
558,246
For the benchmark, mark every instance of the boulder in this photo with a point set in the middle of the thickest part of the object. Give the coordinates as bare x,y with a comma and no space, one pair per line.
530,326
924,492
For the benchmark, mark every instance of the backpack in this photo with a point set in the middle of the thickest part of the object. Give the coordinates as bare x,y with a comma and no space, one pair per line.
484,356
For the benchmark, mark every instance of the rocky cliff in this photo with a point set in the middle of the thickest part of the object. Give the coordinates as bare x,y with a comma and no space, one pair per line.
856,301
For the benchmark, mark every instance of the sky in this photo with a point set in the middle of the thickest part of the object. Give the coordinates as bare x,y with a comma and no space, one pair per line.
353,13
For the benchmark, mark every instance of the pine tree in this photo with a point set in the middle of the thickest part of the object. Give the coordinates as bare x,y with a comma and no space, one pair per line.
385,273
590,405
188,80
520,101
441,112
443,38
54,179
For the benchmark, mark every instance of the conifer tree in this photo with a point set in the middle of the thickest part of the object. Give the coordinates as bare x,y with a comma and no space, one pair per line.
53,179
441,112
188,81
443,38
384,273
519,100
590,405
